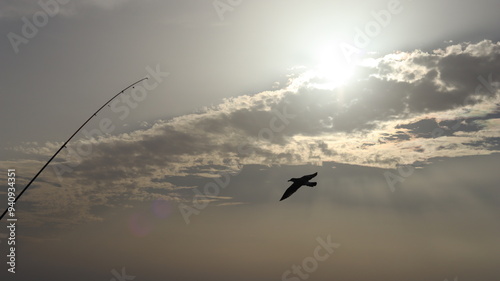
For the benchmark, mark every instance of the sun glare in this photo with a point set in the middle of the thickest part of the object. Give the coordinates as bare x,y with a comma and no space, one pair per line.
331,68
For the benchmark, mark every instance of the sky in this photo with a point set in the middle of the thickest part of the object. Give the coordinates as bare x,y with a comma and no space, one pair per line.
394,103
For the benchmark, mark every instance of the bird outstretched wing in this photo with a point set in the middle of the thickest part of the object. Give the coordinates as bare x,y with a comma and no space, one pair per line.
309,177
291,190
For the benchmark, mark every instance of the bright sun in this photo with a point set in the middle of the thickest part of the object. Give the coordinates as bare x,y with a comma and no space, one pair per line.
332,68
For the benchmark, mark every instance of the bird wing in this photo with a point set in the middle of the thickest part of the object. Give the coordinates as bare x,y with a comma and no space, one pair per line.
309,177
291,190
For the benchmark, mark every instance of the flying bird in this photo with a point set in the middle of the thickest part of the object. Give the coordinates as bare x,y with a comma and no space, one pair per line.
297,183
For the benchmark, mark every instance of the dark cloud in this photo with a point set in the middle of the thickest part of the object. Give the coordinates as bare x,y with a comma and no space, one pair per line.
431,128
398,136
491,143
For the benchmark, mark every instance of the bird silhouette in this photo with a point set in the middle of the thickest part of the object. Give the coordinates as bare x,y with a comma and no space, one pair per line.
297,183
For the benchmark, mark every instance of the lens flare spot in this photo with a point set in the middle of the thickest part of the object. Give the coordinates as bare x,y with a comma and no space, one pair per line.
161,208
140,225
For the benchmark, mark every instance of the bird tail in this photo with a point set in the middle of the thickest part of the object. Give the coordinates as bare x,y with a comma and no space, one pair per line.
311,184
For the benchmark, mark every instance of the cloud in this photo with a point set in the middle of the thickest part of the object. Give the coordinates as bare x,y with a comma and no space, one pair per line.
409,108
